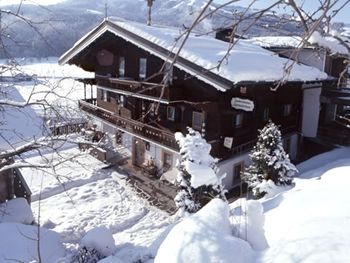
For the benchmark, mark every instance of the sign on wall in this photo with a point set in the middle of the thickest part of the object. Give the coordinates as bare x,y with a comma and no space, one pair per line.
242,104
228,142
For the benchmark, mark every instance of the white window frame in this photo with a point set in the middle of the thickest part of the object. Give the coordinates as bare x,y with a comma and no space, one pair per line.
121,67
142,68
170,113
197,120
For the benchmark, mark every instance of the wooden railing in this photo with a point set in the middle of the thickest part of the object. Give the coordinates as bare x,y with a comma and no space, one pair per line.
155,90
135,127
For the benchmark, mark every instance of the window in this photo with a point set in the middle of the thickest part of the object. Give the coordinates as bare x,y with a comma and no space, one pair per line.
266,114
167,159
238,120
287,109
121,69
143,68
197,120
170,112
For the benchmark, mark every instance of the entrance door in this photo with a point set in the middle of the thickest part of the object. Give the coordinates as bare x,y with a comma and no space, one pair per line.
139,152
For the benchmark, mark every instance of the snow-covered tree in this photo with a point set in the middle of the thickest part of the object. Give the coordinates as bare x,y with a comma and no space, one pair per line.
197,178
269,162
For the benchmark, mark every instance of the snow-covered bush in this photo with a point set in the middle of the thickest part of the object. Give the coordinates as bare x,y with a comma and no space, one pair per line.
248,224
97,244
16,211
86,255
100,239
204,237
197,179
269,162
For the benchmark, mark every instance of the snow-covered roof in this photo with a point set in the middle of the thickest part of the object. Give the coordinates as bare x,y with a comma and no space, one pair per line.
277,41
19,125
201,54
331,42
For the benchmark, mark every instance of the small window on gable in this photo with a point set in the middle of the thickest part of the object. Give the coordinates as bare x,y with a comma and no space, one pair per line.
143,68
238,120
170,112
121,69
197,120
287,109
266,114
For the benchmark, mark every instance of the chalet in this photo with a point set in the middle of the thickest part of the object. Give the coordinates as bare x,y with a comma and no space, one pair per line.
332,57
143,98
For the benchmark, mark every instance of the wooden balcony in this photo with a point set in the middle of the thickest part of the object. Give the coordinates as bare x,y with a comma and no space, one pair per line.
140,88
134,127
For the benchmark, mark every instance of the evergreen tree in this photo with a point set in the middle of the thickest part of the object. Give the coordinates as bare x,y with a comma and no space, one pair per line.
197,179
269,162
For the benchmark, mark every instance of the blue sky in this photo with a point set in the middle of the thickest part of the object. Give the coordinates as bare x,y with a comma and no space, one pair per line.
310,5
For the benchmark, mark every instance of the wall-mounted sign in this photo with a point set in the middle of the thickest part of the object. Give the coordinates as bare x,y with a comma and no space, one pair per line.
228,142
242,104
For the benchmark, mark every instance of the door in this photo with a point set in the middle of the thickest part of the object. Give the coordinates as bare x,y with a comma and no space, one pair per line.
139,149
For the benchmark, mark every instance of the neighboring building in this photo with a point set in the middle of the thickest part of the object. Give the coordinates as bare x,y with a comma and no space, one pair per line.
227,104
332,57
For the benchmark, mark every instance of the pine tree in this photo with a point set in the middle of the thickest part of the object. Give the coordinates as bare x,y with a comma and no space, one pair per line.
197,179
269,162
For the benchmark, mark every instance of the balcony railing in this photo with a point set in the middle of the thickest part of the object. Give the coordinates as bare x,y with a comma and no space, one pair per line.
154,90
129,125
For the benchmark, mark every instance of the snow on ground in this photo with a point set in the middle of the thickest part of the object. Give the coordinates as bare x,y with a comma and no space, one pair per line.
18,243
310,223
95,197
204,237
53,83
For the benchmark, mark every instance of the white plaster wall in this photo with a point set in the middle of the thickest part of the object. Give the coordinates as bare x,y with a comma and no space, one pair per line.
226,167
311,111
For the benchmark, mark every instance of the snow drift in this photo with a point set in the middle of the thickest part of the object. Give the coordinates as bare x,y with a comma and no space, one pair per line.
204,237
